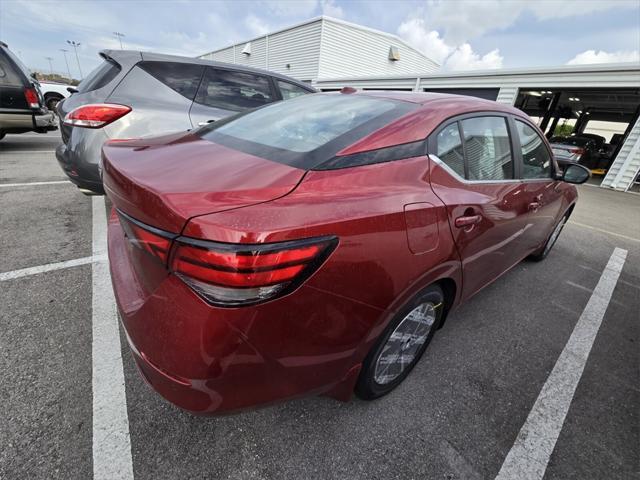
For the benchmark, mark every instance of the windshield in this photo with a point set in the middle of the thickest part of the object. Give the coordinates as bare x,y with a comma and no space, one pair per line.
307,130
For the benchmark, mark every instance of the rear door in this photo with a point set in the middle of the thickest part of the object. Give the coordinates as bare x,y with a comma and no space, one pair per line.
225,92
543,198
290,90
473,173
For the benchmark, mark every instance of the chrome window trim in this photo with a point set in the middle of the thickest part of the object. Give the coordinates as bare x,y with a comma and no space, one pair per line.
473,182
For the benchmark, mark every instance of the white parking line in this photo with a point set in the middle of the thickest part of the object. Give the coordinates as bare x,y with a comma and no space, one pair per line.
33,184
27,151
25,272
529,456
111,442
607,232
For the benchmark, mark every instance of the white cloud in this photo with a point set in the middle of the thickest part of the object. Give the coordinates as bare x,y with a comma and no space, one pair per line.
256,26
329,8
591,56
464,58
292,8
451,57
463,20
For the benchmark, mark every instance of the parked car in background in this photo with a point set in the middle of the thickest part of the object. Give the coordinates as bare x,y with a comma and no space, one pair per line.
577,149
137,94
53,92
22,107
315,246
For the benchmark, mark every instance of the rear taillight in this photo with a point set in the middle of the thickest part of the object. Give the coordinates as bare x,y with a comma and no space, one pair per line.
156,243
577,151
96,115
242,274
31,96
230,274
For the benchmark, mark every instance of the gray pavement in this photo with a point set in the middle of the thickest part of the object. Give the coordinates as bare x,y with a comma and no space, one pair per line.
456,417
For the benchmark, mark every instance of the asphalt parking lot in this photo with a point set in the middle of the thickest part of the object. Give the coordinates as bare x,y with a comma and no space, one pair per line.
458,416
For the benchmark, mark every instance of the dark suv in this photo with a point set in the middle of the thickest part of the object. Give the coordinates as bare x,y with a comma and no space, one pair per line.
21,103
136,94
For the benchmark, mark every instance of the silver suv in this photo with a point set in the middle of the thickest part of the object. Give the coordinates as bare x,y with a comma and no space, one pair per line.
136,94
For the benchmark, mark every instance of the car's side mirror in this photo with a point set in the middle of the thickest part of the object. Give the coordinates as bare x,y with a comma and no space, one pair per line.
575,173
72,90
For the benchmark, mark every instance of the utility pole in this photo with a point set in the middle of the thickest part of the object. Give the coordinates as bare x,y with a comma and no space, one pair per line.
75,46
119,36
64,52
50,65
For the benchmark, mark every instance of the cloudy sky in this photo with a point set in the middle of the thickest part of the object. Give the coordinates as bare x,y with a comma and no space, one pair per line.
460,34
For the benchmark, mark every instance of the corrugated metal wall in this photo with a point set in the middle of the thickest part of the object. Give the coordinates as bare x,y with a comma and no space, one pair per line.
626,166
353,51
299,48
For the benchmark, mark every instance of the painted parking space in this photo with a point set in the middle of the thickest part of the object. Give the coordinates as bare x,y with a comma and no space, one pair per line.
457,416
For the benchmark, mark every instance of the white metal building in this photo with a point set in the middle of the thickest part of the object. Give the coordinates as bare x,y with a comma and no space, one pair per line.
581,94
326,47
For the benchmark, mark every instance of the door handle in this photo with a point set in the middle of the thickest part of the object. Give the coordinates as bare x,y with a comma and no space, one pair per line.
467,221
202,124
533,206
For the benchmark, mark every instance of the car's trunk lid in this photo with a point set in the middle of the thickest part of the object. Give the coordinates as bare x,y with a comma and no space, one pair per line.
166,180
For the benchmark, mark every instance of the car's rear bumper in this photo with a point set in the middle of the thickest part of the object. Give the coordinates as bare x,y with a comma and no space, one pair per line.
79,158
16,122
210,360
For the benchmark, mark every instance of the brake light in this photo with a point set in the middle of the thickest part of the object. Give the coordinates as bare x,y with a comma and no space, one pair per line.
236,274
96,115
31,96
577,151
151,240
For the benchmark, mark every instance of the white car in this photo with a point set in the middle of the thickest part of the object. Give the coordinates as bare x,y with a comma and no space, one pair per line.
53,92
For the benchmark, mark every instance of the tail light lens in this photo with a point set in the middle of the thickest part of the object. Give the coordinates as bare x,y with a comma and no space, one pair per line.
156,243
31,96
96,115
231,275
577,151
236,274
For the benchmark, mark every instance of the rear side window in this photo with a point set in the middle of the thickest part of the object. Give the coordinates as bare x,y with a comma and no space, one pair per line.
535,156
8,73
488,148
100,76
449,148
183,78
289,90
235,91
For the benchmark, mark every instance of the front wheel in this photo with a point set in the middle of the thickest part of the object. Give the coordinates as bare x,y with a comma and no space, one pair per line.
401,345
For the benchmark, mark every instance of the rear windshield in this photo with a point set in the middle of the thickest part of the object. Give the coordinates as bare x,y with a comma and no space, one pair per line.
100,76
576,141
305,131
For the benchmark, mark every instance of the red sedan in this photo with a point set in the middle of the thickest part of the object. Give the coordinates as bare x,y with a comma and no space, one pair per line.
314,246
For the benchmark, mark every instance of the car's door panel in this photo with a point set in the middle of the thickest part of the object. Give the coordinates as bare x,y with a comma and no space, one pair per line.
541,191
488,214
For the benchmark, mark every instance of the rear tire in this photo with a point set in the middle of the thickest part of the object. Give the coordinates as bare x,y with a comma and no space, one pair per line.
401,345
52,101
551,241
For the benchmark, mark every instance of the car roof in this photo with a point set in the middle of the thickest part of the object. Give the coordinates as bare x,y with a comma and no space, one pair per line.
151,56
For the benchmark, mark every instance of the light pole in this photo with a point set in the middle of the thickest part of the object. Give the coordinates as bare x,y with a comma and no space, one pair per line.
75,46
119,35
50,65
64,52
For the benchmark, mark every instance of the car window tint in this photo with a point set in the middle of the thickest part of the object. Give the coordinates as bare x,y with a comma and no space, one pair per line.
304,129
235,91
449,148
487,147
535,156
289,90
183,78
8,76
99,77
